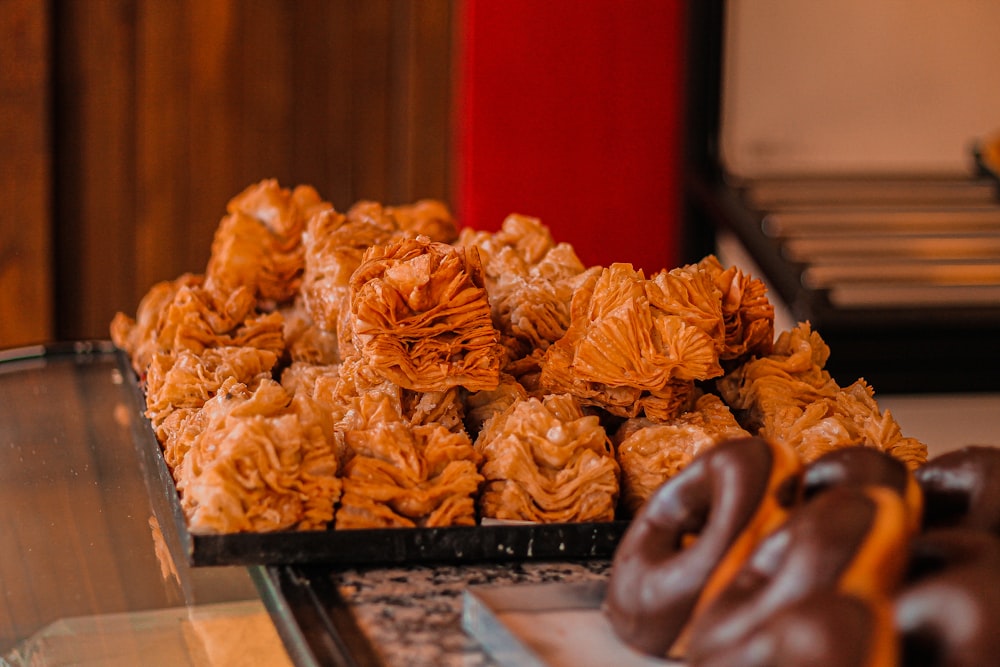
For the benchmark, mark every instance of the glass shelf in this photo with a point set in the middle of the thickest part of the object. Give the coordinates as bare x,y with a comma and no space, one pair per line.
85,576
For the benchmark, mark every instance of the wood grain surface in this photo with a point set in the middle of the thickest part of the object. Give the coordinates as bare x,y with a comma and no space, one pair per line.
124,140
25,164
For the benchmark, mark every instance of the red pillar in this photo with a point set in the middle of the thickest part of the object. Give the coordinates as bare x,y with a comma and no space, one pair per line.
570,111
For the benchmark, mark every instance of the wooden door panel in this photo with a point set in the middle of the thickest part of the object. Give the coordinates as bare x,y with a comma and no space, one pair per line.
166,110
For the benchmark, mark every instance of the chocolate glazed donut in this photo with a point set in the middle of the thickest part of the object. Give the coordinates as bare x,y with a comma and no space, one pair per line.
846,539
947,612
690,536
864,466
960,489
824,629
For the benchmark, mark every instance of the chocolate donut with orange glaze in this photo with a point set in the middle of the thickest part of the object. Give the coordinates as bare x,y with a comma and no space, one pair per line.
960,489
691,536
863,466
947,612
847,540
840,630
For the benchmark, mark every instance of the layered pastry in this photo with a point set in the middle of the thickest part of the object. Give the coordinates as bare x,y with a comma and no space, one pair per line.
547,461
422,374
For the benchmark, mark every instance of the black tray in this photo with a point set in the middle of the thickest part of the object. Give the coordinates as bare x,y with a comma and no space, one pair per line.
384,546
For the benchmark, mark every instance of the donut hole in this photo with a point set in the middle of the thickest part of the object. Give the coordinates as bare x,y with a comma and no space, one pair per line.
787,493
688,540
925,565
921,649
945,507
857,467
690,528
939,550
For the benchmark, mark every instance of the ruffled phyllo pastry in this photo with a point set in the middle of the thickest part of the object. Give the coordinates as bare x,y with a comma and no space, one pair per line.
401,474
178,386
185,314
651,453
747,315
435,378
426,217
531,281
789,397
546,461
335,244
636,346
258,243
261,461
420,317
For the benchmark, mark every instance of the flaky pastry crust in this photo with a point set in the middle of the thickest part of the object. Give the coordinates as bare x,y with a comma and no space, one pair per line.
545,461
421,317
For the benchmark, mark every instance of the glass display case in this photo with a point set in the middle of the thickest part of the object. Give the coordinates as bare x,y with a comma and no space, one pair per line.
85,573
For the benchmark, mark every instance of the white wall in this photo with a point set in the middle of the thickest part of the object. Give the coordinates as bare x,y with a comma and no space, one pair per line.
859,85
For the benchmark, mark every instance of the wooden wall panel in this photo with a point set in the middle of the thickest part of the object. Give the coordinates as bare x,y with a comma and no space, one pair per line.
424,73
163,227
94,163
367,91
25,236
166,110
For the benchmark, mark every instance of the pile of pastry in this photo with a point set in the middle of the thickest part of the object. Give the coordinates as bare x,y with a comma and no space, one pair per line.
382,367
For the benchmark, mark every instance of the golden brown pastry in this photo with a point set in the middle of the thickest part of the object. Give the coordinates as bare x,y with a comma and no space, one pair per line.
258,243
198,318
304,340
395,337
317,381
185,381
792,376
420,317
137,337
531,281
263,461
728,305
624,354
359,385
789,396
480,406
401,475
427,217
526,237
651,453
545,461
747,314
334,246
